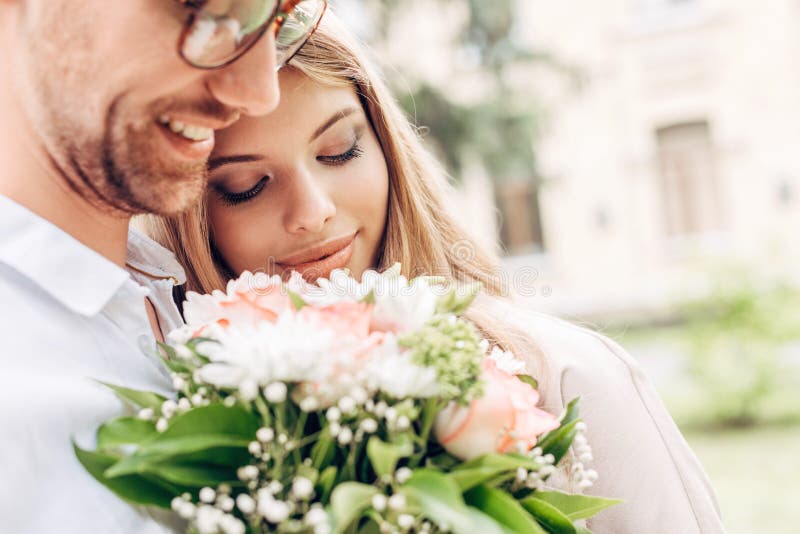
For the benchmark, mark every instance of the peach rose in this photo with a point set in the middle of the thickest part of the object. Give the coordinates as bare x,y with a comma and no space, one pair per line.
504,419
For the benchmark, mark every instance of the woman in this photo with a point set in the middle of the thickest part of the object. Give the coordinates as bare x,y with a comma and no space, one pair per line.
337,177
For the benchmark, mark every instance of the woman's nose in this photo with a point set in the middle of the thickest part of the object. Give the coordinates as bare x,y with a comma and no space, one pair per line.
310,207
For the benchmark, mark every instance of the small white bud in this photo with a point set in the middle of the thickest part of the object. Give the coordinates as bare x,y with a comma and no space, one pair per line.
178,382
186,510
397,502
208,495
146,414
226,503
459,344
580,426
334,429
403,422
265,435
345,436
302,488
248,389
391,415
282,439
403,474
359,395
380,409
333,414
379,502
370,426
245,503
229,401
275,511
161,425
316,516
522,474
586,457
254,448
168,408
184,404
309,404
405,521
176,503
275,392
247,473
197,399
347,405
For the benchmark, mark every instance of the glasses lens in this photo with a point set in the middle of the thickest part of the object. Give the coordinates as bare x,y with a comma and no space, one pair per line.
297,28
225,29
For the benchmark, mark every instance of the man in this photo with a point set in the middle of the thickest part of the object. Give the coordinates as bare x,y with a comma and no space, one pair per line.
107,110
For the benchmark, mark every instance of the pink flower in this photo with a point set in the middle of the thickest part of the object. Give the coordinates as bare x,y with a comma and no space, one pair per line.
345,318
504,418
248,299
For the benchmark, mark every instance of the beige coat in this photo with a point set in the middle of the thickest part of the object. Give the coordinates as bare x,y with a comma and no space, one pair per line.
639,453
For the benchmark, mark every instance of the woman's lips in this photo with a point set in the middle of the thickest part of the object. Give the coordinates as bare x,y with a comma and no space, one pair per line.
319,261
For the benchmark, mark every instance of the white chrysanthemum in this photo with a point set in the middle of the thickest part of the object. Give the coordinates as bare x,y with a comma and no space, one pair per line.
507,362
405,305
290,350
394,373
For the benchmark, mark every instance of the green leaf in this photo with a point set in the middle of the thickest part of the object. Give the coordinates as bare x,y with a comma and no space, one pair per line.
325,484
297,300
500,462
153,453
140,399
489,466
571,411
384,456
576,506
558,441
549,516
369,298
124,431
348,501
532,382
234,421
323,451
503,508
440,500
133,488
195,474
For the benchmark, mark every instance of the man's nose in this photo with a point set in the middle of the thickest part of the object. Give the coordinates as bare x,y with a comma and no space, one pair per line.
249,84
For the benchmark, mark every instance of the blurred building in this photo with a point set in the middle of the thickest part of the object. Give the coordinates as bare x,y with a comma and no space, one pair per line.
669,145
678,147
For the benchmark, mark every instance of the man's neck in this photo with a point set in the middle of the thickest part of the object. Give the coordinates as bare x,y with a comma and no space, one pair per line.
28,177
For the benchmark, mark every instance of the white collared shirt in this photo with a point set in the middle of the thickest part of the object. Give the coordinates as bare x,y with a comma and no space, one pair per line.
69,318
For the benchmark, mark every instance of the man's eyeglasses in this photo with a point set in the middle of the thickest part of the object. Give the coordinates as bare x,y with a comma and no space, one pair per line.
219,32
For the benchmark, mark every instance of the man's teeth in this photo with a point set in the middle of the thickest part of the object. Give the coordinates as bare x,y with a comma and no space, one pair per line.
189,131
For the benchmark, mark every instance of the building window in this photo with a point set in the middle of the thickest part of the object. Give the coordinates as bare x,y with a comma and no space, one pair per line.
689,188
520,218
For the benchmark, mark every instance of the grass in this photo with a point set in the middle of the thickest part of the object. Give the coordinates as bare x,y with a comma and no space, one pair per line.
755,473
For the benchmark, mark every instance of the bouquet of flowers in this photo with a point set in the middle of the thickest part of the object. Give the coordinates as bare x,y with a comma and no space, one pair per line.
344,407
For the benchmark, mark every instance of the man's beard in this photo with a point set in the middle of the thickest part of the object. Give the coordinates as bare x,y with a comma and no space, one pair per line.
121,170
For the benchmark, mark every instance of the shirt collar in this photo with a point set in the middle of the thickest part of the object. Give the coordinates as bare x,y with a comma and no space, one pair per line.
147,257
75,275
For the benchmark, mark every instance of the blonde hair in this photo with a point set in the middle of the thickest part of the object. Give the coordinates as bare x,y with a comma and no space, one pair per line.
420,234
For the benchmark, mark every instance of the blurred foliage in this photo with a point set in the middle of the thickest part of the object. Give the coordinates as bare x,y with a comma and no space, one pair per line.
735,336
500,130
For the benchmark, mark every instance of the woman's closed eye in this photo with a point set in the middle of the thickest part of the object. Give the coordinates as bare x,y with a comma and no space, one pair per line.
353,152
230,198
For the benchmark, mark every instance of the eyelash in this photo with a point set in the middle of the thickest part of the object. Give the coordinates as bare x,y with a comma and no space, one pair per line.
340,159
235,199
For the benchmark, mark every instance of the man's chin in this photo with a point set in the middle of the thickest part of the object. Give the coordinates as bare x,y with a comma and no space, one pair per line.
170,198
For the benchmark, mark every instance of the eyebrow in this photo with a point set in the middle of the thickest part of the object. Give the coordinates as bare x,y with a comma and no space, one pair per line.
336,117
216,163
